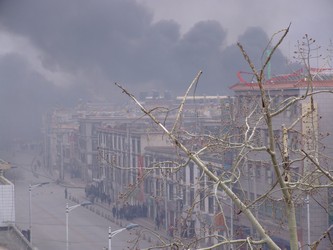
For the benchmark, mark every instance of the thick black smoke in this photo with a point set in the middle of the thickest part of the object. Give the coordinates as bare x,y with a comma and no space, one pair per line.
105,41
25,95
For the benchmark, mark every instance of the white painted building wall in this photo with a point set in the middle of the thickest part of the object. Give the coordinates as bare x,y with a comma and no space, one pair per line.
7,202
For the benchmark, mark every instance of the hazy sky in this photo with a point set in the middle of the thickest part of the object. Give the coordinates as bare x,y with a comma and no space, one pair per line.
306,16
54,53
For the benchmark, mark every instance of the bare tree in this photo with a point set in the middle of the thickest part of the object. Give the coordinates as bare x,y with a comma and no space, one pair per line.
281,159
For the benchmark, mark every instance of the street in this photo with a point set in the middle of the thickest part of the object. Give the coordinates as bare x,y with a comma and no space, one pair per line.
87,230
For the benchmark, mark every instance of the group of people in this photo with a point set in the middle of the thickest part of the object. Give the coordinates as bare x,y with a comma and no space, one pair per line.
93,193
126,211
130,212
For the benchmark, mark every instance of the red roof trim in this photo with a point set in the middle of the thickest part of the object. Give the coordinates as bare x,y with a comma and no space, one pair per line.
282,85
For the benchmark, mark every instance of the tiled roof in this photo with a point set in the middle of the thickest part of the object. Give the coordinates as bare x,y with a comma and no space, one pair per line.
283,85
321,78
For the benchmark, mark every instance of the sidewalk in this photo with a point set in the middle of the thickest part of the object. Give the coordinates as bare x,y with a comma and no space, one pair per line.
76,194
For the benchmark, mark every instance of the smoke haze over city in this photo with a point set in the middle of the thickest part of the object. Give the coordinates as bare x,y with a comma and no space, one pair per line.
55,53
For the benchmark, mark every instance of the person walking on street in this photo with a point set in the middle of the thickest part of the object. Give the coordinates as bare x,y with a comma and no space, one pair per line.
66,194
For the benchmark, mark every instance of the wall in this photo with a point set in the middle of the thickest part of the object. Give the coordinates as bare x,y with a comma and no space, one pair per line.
7,202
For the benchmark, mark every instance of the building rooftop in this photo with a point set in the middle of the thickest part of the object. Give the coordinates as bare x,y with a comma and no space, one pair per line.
4,165
283,85
12,239
321,78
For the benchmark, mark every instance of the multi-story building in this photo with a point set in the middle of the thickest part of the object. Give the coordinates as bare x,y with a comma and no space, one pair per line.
133,158
119,152
7,204
126,156
311,122
70,140
10,236
61,143
181,196
121,149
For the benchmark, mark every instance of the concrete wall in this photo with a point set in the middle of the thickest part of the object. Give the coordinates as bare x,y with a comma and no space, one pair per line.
7,202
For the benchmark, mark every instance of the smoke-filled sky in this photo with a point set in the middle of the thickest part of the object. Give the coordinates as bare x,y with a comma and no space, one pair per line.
54,53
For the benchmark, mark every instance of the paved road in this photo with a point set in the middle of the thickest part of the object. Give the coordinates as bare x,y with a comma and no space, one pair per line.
87,230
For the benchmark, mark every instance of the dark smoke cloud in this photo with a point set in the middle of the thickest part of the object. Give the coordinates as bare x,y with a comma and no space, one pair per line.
119,39
254,41
22,98
200,49
103,41
25,95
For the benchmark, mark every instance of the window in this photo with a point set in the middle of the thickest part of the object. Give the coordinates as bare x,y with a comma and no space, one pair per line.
111,141
134,177
269,174
133,146
211,204
265,137
277,135
293,141
118,144
67,153
184,195
117,176
170,191
261,209
94,143
295,174
114,138
183,174
147,185
191,196
123,144
249,170
179,175
201,178
202,200
258,170
147,161
158,190
138,146
134,165
269,209
100,140
191,173
278,211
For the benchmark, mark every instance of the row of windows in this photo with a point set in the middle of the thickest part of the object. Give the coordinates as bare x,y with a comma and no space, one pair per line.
119,142
175,191
180,185
247,103
258,170
261,137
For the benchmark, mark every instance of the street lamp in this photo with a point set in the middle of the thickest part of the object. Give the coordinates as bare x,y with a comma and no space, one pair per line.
68,209
31,187
307,202
128,227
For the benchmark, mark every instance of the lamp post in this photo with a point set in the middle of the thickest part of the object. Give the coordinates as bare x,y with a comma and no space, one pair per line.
307,202
111,234
68,209
31,187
